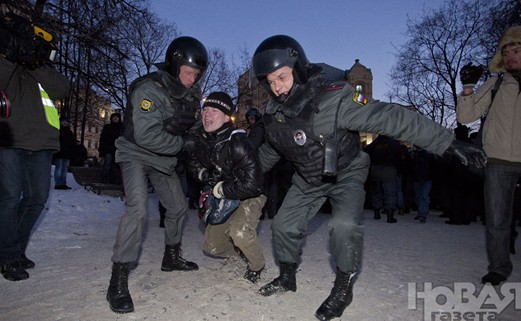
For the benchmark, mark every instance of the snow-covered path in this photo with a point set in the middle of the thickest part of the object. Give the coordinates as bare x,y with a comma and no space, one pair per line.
73,242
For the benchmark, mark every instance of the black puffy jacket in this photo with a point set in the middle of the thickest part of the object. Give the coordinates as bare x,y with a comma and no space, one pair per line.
227,155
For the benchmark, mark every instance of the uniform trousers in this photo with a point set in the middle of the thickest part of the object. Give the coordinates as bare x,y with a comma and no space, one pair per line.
170,193
345,227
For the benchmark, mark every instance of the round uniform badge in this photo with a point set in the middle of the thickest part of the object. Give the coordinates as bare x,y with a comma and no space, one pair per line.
300,137
145,104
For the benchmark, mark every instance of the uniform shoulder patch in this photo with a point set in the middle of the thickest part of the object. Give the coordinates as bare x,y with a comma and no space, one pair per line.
146,104
359,99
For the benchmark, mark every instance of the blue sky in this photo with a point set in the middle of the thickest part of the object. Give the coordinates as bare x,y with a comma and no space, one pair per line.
335,32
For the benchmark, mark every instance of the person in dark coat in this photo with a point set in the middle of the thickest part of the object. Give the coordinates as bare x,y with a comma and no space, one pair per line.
224,160
385,154
422,168
107,149
28,137
63,157
79,155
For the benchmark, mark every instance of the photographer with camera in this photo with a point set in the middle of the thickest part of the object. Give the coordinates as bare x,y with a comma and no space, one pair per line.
498,98
29,118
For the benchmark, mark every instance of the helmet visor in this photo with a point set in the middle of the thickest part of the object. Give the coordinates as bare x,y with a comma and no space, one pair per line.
270,60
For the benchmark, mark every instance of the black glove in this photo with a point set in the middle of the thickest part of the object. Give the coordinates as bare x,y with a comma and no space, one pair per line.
189,143
468,154
172,126
469,74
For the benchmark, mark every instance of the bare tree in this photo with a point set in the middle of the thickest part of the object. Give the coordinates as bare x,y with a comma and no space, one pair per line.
503,15
439,43
104,45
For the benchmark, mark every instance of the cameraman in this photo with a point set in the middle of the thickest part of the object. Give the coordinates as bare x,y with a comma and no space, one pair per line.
25,159
498,99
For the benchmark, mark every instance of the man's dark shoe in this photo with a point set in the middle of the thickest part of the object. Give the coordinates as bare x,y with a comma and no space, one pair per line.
26,263
253,276
172,260
13,271
493,278
118,296
285,282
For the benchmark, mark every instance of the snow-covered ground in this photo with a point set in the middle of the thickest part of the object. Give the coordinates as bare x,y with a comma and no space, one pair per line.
72,246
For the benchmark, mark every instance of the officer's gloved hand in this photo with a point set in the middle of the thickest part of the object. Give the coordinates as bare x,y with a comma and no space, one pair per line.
468,154
171,125
469,75
189,143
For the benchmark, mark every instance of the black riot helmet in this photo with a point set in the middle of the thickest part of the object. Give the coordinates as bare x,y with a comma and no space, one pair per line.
279,51
186,51
253,111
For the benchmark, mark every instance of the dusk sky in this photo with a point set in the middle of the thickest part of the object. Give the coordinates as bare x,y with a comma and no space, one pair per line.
335,32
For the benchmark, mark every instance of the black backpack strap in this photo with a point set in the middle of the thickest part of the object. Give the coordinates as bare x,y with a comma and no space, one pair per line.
484,118
496,86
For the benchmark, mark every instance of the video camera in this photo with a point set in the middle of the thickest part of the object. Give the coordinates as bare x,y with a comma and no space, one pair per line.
24,41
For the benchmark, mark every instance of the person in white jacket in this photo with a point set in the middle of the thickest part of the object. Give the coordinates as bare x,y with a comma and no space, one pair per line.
499,99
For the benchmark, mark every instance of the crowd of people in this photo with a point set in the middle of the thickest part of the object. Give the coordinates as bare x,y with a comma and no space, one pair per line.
310,125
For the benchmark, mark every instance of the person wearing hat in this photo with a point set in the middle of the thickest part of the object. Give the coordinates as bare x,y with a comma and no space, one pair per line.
63,157
224,159
107,147
499,99
161,107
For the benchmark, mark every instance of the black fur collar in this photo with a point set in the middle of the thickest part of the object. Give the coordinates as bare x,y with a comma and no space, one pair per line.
177,90
300,97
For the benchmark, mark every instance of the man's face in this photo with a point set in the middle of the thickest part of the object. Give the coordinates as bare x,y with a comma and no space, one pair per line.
188,75
281,81
511,55
251,120
213,119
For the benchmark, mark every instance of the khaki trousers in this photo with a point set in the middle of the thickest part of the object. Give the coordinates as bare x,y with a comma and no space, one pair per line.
239,231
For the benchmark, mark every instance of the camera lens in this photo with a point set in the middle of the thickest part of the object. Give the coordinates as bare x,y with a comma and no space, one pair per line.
4,105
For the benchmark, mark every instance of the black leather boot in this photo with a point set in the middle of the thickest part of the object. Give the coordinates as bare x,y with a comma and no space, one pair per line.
285,282
12,270
377,215
26,263
340,297
390,216
117,294
172,260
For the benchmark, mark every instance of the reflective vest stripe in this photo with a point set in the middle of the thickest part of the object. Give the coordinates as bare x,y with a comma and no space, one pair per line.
50,110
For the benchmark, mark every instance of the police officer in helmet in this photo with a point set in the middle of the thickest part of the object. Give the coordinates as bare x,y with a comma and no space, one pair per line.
314,123
161,107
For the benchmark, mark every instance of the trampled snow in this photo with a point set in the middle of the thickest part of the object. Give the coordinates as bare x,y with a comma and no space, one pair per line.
405,266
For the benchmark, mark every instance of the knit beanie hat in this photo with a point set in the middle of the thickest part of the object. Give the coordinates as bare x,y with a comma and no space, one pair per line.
511,36
221,101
